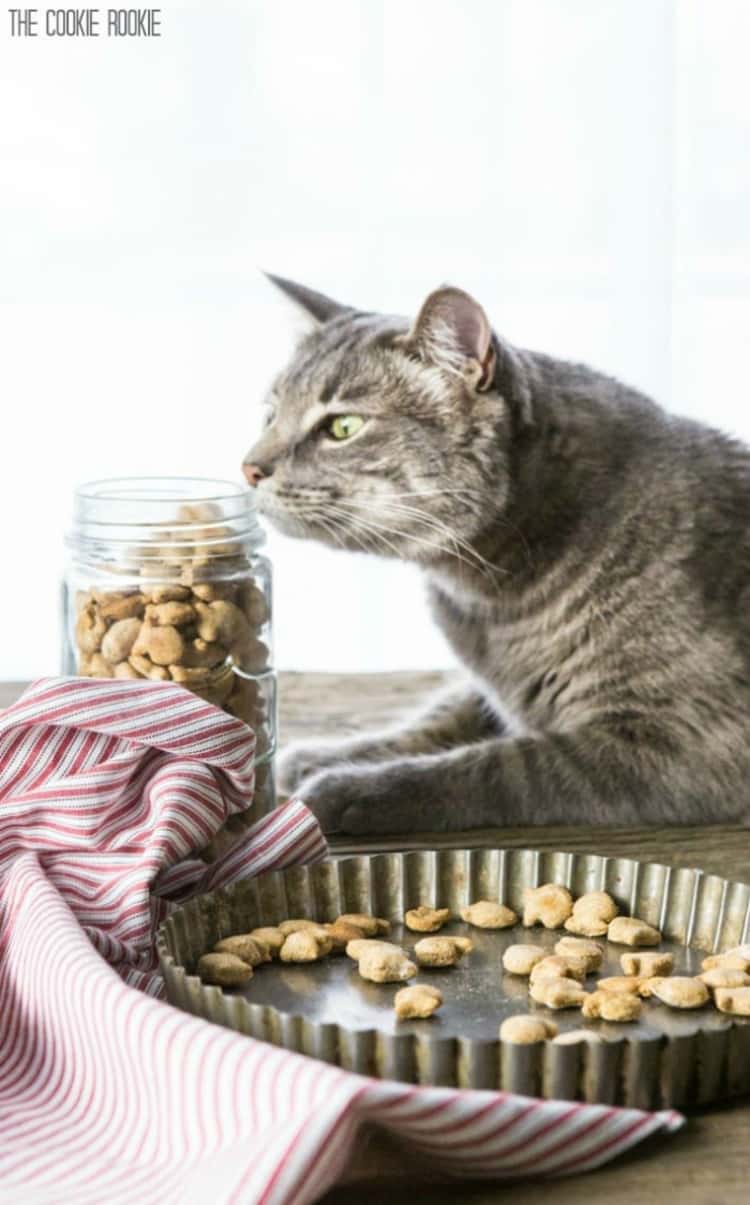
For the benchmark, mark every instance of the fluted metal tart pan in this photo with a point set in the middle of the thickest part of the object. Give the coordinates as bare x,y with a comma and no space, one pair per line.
669,1058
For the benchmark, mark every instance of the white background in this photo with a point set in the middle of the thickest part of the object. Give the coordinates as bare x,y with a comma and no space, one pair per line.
580,165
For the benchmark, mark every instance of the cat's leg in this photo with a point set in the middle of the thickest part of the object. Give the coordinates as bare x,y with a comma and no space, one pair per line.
456,716
598,774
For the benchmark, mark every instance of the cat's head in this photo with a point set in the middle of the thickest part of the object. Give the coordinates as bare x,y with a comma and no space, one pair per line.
390,436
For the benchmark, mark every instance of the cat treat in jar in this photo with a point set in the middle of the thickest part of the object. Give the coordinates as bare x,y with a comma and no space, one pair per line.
165,581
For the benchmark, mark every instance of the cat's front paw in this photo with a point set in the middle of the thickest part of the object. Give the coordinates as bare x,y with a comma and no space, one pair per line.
407,795
362,799
328,793
302,759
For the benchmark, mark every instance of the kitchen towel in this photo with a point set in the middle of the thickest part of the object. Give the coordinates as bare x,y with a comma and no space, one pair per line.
107,790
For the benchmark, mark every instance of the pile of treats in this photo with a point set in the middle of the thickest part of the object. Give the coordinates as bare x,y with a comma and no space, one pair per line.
359,936
556,981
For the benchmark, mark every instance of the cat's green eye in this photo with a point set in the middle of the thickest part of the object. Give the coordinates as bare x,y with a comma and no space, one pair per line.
345,425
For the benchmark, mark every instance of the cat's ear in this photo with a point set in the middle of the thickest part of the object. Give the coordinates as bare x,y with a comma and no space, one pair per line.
452,331
316,305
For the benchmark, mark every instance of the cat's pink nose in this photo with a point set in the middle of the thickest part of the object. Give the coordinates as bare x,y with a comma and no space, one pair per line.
253,473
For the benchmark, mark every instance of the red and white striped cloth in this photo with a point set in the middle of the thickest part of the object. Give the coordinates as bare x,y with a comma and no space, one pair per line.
107,1094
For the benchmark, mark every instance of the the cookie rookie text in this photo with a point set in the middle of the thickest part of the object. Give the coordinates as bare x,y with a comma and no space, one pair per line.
85,22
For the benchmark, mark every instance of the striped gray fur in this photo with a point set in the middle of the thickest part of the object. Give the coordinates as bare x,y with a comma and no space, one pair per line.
586,554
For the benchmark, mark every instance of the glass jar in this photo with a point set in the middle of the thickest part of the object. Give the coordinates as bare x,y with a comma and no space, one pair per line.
164,581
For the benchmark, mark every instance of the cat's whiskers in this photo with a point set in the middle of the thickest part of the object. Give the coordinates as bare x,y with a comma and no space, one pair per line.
433,524
330,527
346,517
473,560
352,518
374,531
464,493
335,521
438,527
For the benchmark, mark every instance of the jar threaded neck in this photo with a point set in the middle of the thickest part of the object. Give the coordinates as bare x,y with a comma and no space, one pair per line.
133,517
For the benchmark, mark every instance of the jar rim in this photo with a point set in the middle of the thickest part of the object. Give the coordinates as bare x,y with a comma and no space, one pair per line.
134,511
131,489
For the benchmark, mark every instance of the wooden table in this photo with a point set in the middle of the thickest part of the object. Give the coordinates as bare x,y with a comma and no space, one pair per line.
707,1163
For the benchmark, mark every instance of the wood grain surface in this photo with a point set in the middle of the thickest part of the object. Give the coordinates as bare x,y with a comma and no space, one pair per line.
708,1162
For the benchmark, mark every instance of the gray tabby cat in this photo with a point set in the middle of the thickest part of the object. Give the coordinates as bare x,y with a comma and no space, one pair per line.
586,554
